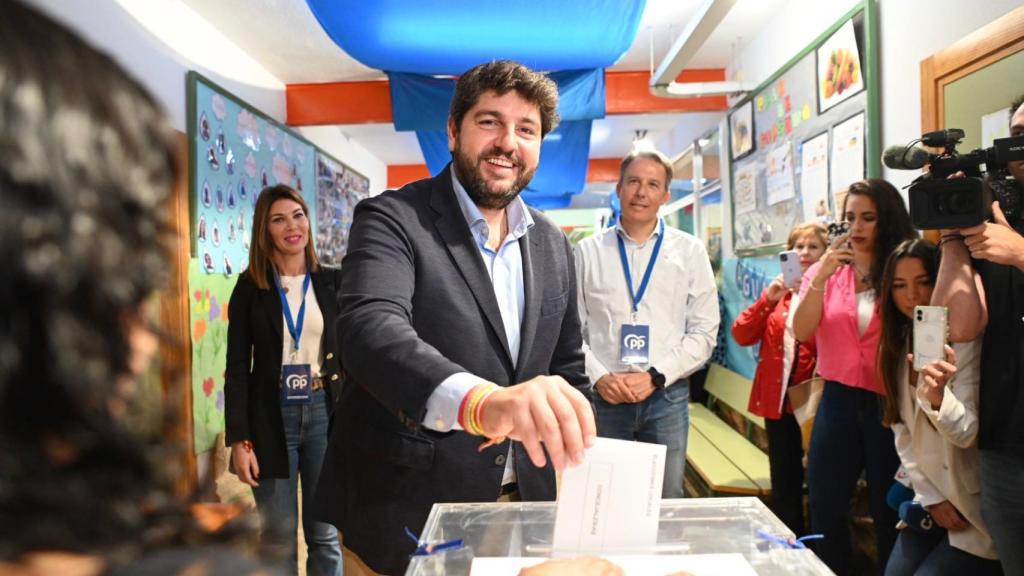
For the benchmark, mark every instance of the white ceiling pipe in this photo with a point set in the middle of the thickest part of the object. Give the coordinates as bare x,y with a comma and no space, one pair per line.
704,22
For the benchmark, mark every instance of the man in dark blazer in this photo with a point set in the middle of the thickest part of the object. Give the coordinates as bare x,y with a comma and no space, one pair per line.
451,283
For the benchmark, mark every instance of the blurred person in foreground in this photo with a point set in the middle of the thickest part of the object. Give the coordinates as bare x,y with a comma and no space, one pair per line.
87,164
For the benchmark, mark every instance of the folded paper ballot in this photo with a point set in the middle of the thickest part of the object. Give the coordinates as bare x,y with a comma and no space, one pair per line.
611,503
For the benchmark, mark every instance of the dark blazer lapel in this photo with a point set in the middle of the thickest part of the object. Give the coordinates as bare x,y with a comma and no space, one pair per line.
533,252
464,252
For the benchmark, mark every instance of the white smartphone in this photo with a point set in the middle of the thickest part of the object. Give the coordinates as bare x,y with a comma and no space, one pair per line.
930,330
792,273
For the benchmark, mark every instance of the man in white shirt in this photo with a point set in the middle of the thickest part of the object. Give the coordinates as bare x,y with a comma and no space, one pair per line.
644,336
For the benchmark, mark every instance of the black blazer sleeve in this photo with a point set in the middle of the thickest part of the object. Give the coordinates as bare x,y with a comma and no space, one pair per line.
379,345
239,362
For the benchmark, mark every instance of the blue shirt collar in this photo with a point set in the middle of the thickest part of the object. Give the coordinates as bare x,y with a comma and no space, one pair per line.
519,218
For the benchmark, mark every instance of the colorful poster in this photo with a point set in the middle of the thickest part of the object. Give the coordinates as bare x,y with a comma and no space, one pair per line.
839,70
814,178
744,189
339,189
779,174
238,152
847,154
208,317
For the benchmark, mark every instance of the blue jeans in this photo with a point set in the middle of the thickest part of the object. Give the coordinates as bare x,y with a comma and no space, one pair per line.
661,419
920,554
848,437
305,430
1002,505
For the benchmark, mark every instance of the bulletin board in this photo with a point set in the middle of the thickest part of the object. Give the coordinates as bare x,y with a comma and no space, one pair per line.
805,134
234,152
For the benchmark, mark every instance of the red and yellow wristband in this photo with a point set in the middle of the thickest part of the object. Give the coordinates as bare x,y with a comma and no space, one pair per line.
471,409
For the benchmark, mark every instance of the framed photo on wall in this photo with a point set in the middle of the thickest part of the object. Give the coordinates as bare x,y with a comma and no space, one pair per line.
840,74
741,130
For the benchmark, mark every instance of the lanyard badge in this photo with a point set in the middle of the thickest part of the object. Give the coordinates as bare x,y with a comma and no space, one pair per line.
635,339
296,379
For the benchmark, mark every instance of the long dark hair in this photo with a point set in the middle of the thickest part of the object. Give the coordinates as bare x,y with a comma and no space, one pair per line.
893,225
892,345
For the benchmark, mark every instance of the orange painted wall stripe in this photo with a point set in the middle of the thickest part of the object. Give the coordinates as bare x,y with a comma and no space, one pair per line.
599,170
339,103
401,174
369,102
629,93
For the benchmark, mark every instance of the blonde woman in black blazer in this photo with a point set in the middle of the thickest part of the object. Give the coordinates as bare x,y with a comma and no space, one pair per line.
281,367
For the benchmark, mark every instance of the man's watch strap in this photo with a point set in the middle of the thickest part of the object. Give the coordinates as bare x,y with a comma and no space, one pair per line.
657,377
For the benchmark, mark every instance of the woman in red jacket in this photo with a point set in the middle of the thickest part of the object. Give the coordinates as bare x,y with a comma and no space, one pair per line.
784,361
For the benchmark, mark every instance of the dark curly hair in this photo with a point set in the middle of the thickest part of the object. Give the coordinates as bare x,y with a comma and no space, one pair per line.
87,164
504,76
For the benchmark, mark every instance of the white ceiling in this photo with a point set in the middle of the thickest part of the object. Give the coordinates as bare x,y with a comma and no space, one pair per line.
284,36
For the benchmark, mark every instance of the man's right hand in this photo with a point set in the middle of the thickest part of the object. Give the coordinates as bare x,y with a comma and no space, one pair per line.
246,467
544,410
613,389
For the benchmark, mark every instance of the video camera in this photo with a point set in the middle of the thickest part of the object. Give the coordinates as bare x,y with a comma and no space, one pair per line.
937,201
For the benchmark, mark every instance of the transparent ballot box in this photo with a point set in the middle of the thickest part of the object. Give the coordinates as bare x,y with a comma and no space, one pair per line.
742,526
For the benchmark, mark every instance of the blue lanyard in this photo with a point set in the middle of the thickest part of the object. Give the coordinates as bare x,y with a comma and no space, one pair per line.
637,296
294,328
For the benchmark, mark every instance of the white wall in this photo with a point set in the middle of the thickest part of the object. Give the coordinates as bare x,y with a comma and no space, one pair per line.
793,28
908,31
159,41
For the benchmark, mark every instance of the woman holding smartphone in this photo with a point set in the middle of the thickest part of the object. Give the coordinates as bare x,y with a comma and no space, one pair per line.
281,362
837,305
934,417
784,361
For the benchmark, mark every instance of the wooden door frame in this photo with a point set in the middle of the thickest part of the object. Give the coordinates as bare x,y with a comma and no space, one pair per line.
990,43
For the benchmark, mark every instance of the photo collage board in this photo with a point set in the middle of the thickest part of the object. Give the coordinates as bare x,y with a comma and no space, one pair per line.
799,140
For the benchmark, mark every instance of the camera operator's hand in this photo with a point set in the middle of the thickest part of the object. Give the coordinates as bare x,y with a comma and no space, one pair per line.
996,242
775,290
838,254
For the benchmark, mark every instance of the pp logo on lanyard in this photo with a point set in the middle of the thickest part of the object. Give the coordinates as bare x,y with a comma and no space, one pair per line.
635,344
296,384
296,379
635,339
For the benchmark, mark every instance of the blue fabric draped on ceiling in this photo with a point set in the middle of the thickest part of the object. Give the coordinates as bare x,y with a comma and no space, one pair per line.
450,37
420,103
414,41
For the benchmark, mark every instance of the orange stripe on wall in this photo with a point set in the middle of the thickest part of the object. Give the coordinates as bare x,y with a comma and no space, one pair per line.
598,170
630,93
339,103
401,174
370,102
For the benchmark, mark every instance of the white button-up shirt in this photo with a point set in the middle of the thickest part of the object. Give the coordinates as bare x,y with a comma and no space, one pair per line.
680,304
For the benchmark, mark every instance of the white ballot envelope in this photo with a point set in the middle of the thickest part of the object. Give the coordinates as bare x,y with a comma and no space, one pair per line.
611,503
697,565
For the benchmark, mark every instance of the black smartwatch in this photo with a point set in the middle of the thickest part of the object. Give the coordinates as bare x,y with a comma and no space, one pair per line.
657,377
